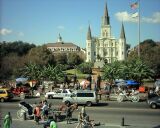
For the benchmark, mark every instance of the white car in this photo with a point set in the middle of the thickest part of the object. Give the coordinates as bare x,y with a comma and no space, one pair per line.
60,93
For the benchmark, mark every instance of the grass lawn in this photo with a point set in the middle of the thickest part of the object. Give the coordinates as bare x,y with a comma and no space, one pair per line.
78,73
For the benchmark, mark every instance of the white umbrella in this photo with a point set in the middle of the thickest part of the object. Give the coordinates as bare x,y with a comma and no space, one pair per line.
22,80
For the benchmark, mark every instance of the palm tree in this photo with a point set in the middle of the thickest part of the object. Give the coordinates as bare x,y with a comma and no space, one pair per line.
112,71
52,73
32,71
139,70
136,70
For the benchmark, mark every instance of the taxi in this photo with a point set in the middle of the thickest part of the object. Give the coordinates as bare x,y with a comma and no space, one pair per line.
5,94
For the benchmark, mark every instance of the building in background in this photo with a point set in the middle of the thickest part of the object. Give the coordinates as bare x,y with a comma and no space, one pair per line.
63,47
105,47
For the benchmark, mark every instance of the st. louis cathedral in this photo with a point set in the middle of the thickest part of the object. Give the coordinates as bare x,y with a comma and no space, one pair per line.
105,47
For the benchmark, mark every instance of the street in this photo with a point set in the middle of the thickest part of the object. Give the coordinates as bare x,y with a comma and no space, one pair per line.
110,112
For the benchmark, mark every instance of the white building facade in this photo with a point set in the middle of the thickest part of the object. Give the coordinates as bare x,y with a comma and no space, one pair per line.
105,47
60,46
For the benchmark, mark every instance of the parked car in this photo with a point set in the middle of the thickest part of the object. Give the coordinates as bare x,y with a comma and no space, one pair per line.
87,97
5,94
154,102
58,93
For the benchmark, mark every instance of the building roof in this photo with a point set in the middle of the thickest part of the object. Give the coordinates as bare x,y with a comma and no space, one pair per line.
61,44
122,36
89,36
106,16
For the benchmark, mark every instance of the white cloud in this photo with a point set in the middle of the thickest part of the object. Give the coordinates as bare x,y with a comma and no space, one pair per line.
60,27
155,18
5,31
128,17
125,17
20,34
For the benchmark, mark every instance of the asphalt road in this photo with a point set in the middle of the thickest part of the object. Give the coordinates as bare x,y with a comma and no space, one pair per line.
106,112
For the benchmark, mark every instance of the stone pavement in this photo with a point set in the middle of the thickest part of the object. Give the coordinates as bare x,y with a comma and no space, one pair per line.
31,124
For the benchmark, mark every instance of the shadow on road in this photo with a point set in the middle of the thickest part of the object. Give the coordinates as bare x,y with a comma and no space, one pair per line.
101,104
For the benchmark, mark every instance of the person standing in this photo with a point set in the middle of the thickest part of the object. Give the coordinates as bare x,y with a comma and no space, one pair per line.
68,114
37,113
45,110
7,120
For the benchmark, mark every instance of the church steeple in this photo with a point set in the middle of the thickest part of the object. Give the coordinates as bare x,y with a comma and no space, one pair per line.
106,16
122,36
89,36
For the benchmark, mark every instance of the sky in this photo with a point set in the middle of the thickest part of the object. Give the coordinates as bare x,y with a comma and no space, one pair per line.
41,21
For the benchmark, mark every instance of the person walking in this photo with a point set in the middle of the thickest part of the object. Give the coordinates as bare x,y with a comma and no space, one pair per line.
7,120
83,111
80,120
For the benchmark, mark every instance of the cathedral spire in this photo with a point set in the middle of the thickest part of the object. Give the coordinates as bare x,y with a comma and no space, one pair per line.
106,16
89,36
122,36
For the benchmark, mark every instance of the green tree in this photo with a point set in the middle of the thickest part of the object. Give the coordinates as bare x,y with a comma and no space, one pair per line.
73,59
85,68
60,58
112,71
149,53
32,71
138,70
40,55
52,73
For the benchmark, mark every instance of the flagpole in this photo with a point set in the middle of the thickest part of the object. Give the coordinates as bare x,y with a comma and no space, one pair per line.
139,29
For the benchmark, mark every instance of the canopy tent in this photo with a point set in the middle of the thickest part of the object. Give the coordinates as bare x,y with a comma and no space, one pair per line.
132,82
126,82
22,80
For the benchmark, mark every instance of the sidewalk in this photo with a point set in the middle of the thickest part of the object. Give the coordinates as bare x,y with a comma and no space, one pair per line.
32,124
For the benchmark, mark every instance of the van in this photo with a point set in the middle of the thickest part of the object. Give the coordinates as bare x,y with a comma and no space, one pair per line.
87,97
5,94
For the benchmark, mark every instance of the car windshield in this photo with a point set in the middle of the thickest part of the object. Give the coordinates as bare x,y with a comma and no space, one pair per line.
71,91
58,91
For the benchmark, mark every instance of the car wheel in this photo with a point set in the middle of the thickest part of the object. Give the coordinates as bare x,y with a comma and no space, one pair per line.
2,99
135,99
120,98
153,105
19,114
50,97
89,103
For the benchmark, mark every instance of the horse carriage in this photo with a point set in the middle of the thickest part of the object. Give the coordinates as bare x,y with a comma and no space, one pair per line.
56,113
26,109
66,110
